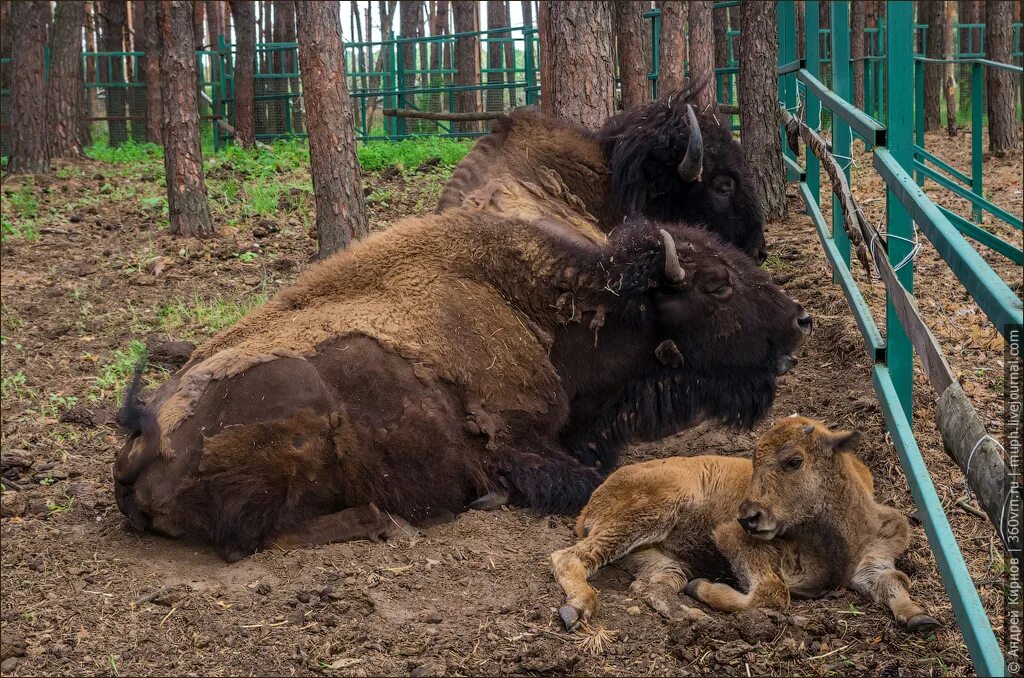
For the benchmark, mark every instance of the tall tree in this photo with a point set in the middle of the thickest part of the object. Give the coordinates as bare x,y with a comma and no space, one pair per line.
284,61
672,57
858,22
949,76
112,13
150,43
69,126
337,184
1003,137
439,27
702,54
30,153
801,27
633,51
467,51
580,48
758,99
409,26
137,95
496,20
187,203
935,17
720,21
244,13
214,22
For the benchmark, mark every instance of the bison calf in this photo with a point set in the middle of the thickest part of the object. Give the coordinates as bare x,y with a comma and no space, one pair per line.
799,521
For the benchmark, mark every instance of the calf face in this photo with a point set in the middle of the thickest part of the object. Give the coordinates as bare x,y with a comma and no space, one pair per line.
795,469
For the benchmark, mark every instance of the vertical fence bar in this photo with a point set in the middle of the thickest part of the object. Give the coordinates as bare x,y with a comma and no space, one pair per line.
786,22
812,55
899,67
977,82
919,112
842,84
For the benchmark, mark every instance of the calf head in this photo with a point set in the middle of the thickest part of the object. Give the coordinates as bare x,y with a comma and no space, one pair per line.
797,471
670,164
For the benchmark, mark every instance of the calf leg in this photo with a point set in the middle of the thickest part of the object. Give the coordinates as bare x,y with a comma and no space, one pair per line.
752,562
658,579
361,522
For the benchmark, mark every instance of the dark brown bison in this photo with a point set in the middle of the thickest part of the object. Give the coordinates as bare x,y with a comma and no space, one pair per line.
661,160
452,357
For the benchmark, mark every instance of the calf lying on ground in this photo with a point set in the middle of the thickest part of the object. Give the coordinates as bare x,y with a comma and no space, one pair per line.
799,521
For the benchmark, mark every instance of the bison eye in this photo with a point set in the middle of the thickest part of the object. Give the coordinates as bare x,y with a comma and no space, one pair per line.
793,463
723,184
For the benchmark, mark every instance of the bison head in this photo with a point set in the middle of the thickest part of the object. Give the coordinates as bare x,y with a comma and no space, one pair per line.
670,164
796,470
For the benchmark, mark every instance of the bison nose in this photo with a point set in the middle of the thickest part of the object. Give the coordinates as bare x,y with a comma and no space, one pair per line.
805,322
761,256
750,517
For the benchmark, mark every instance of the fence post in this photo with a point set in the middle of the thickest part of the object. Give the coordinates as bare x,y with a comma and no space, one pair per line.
812,56
786,22
842,84
977,110
899,66
919,112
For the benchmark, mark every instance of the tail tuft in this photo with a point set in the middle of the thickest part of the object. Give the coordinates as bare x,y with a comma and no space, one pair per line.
130,416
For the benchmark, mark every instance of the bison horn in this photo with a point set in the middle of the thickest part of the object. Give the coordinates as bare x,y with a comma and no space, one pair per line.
693,161
673,269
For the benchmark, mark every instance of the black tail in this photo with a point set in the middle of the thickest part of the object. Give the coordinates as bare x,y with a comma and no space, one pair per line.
550,485
130,416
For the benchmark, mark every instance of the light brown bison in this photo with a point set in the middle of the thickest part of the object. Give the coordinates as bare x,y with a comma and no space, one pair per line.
661,160
801,520
452,357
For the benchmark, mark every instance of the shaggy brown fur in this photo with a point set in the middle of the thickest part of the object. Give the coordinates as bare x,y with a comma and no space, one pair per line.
800,520
628,167
439,361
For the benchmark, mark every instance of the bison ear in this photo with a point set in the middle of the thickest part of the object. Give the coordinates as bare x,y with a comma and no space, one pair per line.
842,441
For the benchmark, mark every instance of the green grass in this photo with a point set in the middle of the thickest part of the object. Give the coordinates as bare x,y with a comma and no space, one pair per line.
204,316
114,376
18,215
128,153
409,154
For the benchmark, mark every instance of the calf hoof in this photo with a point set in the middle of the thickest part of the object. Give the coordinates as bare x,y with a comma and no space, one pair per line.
490,501
570,617
692,586
921,623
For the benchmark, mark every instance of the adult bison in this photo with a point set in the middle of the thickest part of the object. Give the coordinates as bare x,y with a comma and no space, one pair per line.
443,360
660,160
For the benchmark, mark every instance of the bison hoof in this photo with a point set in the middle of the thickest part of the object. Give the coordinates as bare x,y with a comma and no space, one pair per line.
921,623
570,617
399,527
490,501
692,586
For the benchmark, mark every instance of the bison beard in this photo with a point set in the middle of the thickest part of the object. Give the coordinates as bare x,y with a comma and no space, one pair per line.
426,366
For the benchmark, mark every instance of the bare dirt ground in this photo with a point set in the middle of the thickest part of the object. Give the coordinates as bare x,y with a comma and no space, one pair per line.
83,595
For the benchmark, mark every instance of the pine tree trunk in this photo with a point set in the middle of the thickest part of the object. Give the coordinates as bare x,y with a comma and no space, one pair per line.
545,61
151,69
758,99
672,58
408,27
720,20
1003,135
112,69
702,55
244,12
858,22
634,53
580,46
66,87
137,95
337,183
29,148
935,16
949,77
496,19
183,158
801,23
466,54
439,27
213,22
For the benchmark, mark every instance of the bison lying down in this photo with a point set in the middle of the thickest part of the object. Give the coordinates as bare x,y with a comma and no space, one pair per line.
800,521
449,357
660,160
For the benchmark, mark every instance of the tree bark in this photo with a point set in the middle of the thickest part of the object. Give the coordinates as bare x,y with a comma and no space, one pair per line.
183,158
213,22
30,153
858,22
244,13
440,27
949,76
66,87
150,42
112,22
758,99
466,55
545,62
935,17
137,95
409,26
801,24
672,58
634,53
720,20
337,184
1003,135
496,19
580,46
702,55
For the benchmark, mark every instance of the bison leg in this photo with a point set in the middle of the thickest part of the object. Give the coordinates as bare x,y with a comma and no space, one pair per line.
361,522
658,579
751,562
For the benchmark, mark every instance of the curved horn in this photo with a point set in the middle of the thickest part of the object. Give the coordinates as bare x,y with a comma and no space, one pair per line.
673,269
693,160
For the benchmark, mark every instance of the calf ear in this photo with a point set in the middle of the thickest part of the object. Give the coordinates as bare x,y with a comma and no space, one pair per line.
843,441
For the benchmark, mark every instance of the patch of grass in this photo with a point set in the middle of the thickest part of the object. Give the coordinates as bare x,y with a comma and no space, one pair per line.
201,316
263,199
20,210
128,153
774,264
114,376
379,196
411,153
13,386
